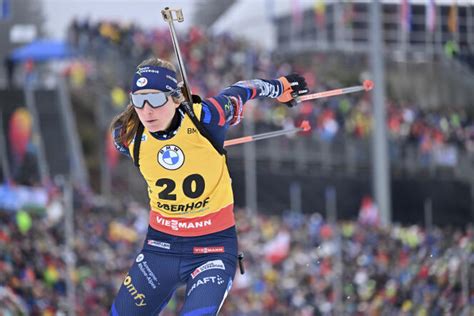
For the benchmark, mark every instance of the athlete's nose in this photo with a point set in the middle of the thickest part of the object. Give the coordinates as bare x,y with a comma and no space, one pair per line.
148,108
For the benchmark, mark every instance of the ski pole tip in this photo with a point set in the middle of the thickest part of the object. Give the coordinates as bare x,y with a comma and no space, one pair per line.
305,126
368,85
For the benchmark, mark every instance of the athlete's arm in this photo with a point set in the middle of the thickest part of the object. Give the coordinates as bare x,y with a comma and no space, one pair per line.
225,109
117,131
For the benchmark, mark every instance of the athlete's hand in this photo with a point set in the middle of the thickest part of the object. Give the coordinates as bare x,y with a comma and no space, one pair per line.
294,86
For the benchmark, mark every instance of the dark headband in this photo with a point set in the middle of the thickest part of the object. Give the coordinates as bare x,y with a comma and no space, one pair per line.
154,77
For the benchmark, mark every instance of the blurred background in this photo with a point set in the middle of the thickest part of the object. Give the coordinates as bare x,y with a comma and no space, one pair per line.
369,213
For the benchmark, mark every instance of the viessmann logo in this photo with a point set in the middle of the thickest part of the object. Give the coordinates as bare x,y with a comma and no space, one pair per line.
213,249
177,225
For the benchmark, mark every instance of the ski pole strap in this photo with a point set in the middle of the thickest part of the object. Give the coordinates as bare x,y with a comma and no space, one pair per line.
188,109
137,142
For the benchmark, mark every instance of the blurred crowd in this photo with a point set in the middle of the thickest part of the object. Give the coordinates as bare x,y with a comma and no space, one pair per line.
296,264
351,268
214,61
33,255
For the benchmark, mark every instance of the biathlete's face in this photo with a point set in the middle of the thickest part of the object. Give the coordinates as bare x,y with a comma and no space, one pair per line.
155,109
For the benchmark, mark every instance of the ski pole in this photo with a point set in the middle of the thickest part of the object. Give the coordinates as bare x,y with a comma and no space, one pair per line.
305,126
366,86
169,17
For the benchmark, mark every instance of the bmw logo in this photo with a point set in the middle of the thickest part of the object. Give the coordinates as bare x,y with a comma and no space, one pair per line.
141,82
171,157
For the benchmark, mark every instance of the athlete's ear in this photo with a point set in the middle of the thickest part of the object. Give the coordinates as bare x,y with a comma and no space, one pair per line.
180,90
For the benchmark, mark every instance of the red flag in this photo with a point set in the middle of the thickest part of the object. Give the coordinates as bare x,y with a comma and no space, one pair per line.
277,249
320,13
368,212
111,152
19,134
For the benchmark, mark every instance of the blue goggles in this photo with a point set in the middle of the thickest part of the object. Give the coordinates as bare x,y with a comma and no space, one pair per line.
155,99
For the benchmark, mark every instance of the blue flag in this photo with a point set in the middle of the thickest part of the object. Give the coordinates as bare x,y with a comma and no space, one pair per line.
4,9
